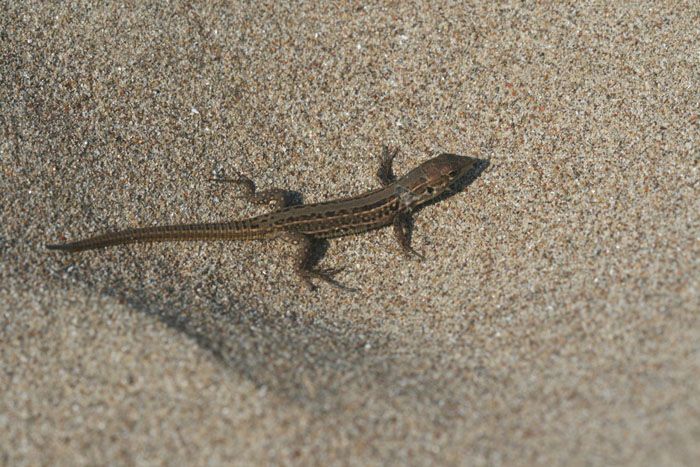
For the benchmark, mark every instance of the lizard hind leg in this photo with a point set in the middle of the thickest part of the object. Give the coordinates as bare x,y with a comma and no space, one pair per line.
305,260
275,198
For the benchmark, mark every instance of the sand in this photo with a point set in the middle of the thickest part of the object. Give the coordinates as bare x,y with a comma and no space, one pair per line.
554,319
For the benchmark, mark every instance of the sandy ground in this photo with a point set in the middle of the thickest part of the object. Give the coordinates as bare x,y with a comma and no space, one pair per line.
554,320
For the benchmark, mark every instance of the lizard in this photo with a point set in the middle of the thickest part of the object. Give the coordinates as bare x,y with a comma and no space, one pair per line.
302,224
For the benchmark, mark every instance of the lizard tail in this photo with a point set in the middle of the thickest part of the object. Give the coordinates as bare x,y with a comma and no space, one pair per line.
235,230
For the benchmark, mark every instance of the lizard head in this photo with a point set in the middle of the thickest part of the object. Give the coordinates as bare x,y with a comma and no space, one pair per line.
432,177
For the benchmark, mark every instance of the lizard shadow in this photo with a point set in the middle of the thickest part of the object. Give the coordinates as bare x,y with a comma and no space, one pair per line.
298,359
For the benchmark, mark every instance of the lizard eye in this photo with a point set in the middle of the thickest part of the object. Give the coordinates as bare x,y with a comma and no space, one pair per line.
430,190
453,173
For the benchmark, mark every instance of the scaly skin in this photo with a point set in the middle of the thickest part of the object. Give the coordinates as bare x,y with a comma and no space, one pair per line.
301,224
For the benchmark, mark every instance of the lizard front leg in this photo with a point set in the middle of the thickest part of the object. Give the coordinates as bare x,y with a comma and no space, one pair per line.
384,174
402,233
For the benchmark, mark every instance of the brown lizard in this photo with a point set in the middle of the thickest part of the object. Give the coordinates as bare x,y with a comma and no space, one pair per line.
301,224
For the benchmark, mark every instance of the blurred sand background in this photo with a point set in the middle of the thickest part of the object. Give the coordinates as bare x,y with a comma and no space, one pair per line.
554,320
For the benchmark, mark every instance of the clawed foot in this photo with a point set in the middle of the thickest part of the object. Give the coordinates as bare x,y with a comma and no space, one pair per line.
324,274
410,253
385,174
274,198
247,185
